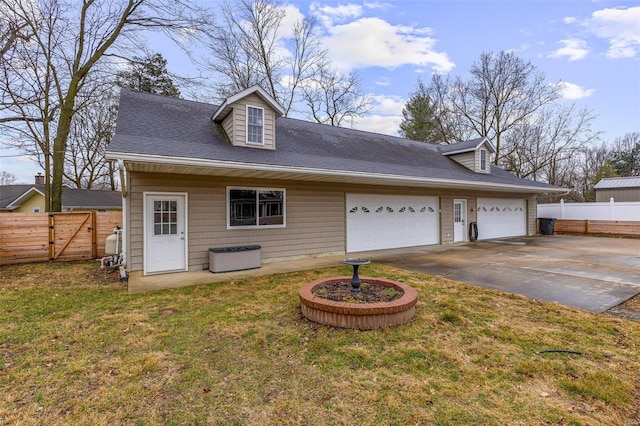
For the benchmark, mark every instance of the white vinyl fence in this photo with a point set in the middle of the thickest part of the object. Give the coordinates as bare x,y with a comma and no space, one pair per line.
627,211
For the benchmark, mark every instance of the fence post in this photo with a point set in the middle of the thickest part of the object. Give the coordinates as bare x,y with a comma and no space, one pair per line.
94,234
52,236
611,209
562,208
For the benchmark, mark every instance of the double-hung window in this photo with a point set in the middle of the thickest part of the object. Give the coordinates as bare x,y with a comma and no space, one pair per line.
483,160
255,125
255,207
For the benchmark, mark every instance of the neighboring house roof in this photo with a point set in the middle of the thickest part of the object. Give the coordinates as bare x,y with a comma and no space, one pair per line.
467,146
156,131
11,196
618,183
91,198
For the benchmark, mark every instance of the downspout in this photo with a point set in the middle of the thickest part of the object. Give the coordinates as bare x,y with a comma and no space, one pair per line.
125,225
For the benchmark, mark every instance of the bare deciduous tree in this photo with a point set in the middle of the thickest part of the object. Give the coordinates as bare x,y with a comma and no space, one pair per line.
538,148
249,48
11,30
7,178
67,40
502,92
90,133
335,99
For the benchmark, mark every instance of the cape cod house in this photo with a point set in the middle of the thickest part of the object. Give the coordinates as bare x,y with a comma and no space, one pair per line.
199,176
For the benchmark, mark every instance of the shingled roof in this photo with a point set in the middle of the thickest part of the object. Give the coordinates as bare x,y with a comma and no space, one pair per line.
170,130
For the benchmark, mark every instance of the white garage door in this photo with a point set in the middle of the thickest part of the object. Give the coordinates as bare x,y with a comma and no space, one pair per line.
376,222
501,217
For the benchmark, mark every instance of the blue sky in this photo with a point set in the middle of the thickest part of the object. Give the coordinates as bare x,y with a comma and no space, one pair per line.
592,47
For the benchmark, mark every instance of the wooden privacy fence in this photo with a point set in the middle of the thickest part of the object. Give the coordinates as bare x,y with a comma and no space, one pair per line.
38,237
601,227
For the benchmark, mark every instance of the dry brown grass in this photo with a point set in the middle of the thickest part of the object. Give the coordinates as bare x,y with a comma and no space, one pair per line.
75,348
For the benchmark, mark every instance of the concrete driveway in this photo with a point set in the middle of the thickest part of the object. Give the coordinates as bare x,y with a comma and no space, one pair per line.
590,273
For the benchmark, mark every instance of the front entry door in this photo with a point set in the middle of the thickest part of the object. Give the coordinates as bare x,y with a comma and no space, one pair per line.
165,243
459,220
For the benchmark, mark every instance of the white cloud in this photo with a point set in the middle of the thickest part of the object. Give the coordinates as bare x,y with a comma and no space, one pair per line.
572,92
383,81
368,42
378,5
386,125
291,15
573,49
621,27
329,15
569,20
385,116
387,104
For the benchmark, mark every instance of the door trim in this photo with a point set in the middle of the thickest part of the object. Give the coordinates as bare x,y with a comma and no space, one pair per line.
145,207
463,212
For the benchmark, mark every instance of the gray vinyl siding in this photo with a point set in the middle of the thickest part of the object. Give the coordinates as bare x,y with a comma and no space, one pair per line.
315,221
227,124
471,160
467,159
315,215
619,195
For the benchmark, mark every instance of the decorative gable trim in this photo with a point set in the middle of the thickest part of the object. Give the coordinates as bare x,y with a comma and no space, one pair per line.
22,198
226,107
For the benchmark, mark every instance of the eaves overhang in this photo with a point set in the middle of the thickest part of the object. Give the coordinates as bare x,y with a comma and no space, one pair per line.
207,167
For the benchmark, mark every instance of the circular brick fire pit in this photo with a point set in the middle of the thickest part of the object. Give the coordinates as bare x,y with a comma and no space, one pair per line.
360,316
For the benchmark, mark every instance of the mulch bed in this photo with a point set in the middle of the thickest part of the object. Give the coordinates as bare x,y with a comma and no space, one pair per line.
370,293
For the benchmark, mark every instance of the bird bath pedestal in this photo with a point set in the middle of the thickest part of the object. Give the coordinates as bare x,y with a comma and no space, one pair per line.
355,262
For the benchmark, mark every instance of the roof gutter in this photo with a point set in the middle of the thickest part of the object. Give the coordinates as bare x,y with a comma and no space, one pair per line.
231,165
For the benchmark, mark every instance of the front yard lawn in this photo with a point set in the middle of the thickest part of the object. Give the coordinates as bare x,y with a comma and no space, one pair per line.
76,348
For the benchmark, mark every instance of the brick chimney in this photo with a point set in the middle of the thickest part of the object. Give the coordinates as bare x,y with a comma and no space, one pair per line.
39,179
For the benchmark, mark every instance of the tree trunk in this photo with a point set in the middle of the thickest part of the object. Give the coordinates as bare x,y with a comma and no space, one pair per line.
60,146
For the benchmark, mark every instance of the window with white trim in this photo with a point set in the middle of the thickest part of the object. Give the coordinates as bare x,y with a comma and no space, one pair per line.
255,207
483,159
255,125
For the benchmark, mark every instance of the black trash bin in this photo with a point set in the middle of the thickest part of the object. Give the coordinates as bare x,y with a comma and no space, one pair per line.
546,226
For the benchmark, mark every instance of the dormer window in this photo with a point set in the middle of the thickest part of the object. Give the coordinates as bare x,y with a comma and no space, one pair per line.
255,125
473,154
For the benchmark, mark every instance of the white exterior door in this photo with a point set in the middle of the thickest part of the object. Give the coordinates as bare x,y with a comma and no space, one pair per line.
459,220
501,217
165,239
376,222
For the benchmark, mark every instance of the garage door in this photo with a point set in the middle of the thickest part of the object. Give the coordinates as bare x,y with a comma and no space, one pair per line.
501,217
376,222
